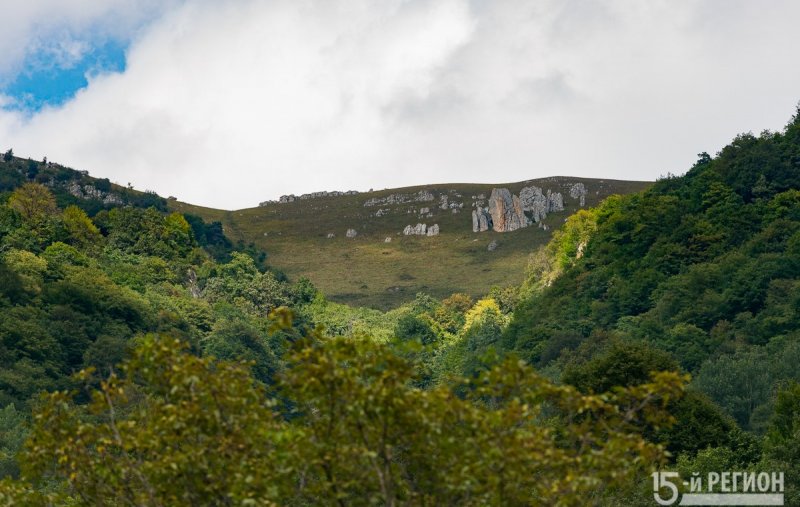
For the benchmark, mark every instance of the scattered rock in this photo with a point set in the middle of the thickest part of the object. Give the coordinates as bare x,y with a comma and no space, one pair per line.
433,230
492,246
331,235
388,239
351,233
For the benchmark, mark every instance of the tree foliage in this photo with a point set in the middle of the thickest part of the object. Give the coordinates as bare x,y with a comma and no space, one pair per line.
172,428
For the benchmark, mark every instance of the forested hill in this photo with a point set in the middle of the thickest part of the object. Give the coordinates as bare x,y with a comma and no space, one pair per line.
225,396
705,266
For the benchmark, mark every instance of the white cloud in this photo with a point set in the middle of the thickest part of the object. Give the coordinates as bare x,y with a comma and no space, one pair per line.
230,103
61,29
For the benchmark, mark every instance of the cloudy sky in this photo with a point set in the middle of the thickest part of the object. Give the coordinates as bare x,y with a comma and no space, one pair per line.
228,103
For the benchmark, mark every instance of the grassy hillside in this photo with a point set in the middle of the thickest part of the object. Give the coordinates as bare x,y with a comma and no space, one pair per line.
368,271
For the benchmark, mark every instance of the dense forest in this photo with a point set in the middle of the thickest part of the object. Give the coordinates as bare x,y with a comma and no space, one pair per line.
147,360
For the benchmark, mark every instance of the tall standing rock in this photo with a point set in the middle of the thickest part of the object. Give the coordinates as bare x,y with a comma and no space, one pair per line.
506,211
555,202
534,200
481,219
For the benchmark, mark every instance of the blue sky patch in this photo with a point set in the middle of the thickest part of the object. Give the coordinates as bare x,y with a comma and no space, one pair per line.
48,77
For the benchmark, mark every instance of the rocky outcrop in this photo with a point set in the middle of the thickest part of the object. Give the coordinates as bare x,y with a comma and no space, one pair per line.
481,220
92,192
538,204
424,196
506,211
535,202
415,230
313,195
351,233
578,191
421,196
114,199
421,230
555,201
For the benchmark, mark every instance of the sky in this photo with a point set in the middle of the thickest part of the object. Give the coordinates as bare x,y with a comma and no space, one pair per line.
227,104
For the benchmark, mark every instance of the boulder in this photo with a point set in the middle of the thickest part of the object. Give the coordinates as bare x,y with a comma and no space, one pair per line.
433,230
351,233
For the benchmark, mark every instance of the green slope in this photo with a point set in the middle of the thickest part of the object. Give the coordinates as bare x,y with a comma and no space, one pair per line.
368,271
705,266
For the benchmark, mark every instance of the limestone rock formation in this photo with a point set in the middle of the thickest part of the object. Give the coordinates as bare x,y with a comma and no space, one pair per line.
534,201
578,191
506,211
421,230
92,192
424,196
313,195
351,233
555,202
415,230
421,196
538,204
481,220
